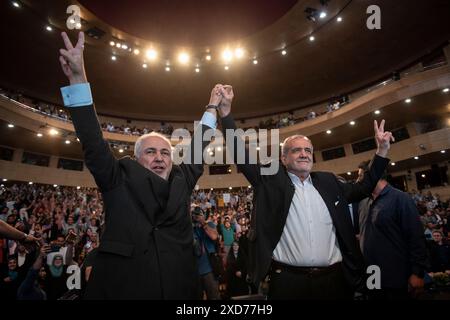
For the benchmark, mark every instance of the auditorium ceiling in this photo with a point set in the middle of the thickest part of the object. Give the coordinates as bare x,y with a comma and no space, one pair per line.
344,56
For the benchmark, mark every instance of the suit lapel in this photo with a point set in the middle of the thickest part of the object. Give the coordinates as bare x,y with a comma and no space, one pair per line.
177,191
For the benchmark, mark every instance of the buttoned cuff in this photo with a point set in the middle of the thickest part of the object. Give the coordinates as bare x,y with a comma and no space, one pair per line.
77,95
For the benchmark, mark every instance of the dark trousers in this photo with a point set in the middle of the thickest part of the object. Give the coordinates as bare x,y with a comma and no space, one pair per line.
294,283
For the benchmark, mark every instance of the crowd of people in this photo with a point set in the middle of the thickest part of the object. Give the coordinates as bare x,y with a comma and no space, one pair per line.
68,221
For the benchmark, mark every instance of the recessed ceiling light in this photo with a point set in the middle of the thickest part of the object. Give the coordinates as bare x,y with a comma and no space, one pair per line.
284,52
352,123
16,4
208,57
424,176
121,150
377,112
67,142
349,173
112,43
328,131
442,151
226,67
151,54
408,100
416,158
183,58
118,45
197,70
124,47
312,38
30,182
53,132
4,180
255,61
446,90
49,28
10,125
339,19
322,15
55,185
113,58
227,55
392,163
167,69
39,135
78,187
136,51
144,65
230,188
239,53
249,187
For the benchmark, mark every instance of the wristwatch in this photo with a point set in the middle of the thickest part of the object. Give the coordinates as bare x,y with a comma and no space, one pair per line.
211,106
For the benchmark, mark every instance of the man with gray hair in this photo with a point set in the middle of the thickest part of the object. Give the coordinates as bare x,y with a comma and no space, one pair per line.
146,250
301,231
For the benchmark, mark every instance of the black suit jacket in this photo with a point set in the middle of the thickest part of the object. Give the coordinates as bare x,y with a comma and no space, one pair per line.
146,250
272,199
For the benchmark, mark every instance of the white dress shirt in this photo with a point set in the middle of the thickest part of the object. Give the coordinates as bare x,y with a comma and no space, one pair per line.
309,236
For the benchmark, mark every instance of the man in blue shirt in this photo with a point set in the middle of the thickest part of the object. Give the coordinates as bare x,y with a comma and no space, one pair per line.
392,238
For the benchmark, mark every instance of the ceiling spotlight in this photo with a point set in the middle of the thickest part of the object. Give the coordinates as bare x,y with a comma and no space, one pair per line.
208,57
112,43
227,55
183,58
39,135
229,170
67,142
120,150
230,188
446,90
392,163
339,19
197,70
10,125
4,180
423,176
416,158
312,38
249,187
113,58
78,187
284,52
349,173
49,28
30,183
16,4
167,69
328,131
442,151
136,51
118,45
53,132
226,67
352,123
408,100
78,140
239,53
124,46
255,61
377,111
144,65
55,185
151,54
322,15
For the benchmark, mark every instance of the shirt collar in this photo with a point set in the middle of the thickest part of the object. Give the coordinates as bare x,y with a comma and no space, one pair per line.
296,179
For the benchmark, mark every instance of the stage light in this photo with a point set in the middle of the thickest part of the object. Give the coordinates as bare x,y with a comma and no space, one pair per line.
328,131
352,123
39,135
255,61
408,100
67,142
183,58
239,53
49,28
144,65
136,51
10,125
284,52
227,55
112,43
339,19
151,54
113,58
312,38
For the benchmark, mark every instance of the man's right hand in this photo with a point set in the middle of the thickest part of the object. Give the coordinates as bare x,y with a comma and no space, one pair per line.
71,59
227,98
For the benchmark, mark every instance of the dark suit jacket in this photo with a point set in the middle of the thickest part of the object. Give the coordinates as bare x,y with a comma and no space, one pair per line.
146,250
272,199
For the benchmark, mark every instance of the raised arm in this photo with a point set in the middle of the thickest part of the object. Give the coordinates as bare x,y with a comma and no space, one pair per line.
78,99
250,171
354,192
